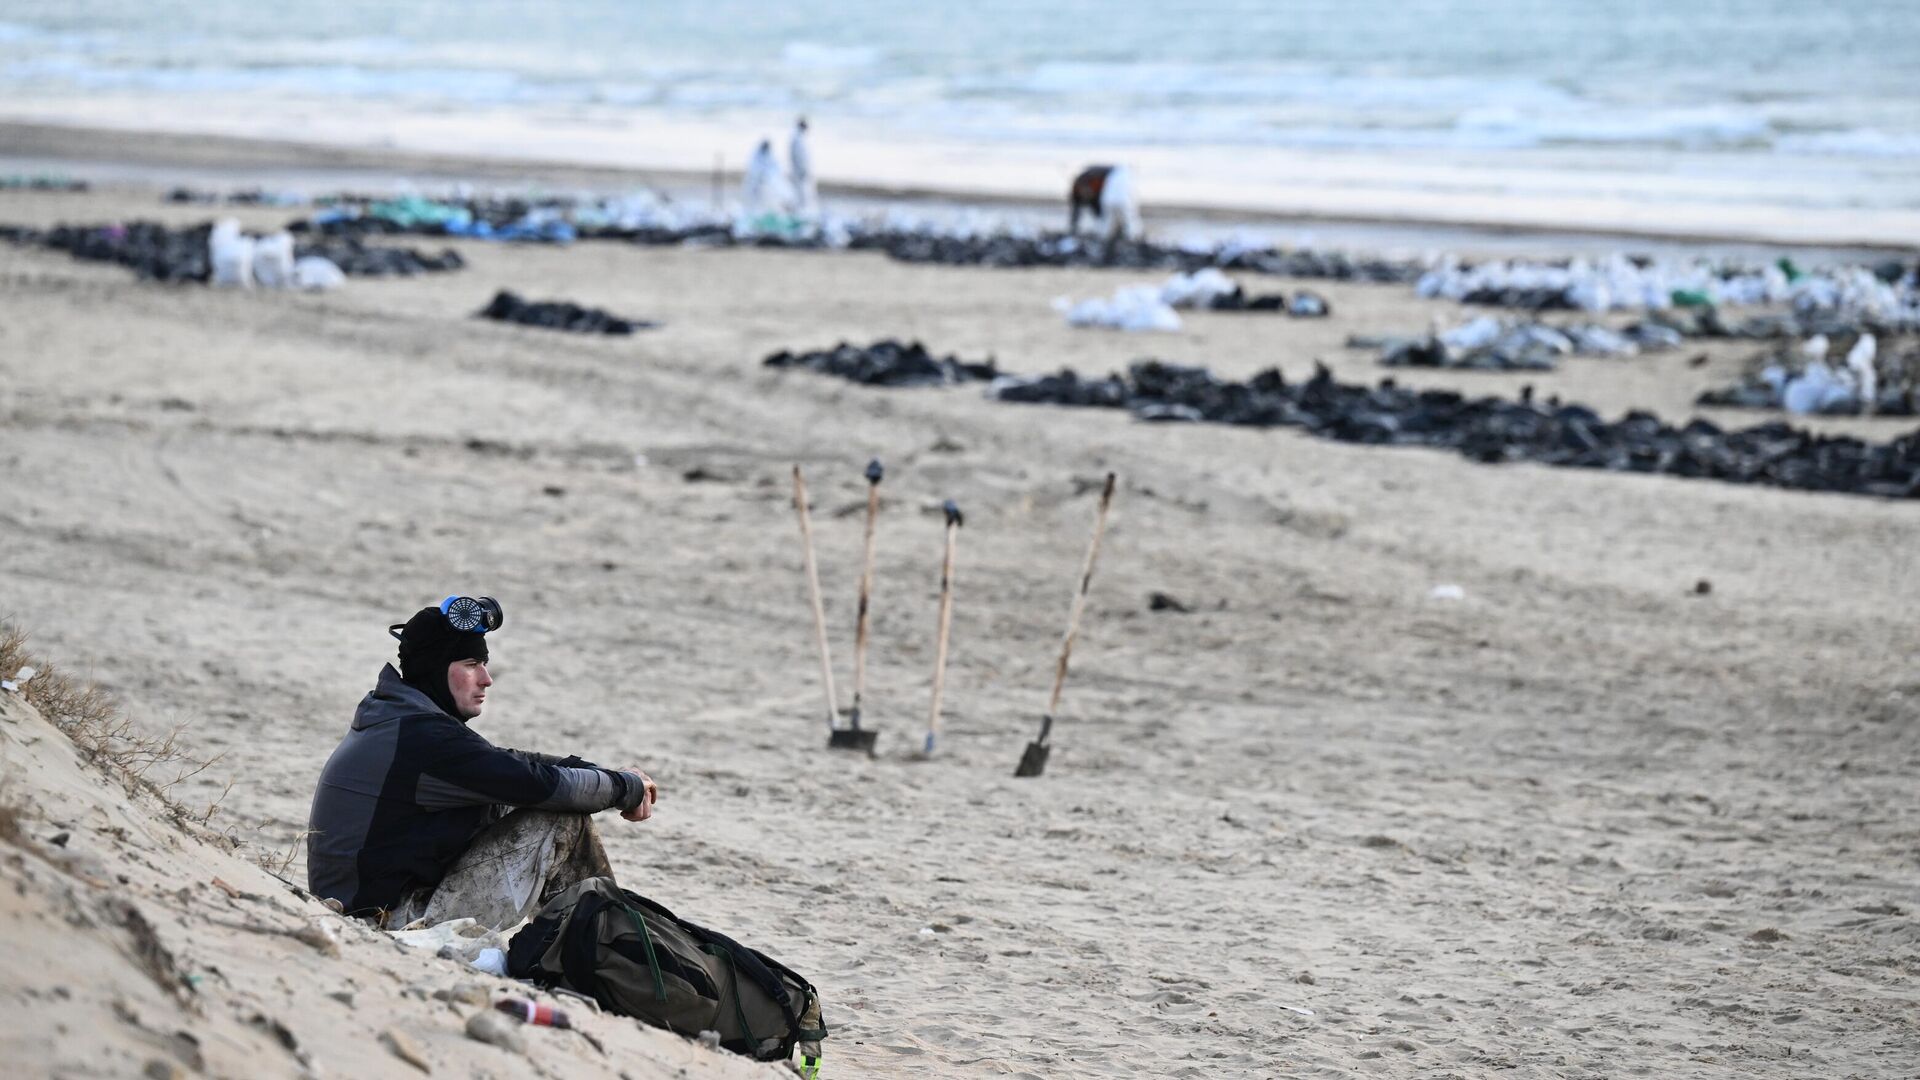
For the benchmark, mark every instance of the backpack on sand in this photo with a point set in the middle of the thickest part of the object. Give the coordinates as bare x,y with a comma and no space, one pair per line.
638,959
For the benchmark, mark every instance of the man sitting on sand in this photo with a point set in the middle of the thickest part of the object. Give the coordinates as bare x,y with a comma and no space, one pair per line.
418,818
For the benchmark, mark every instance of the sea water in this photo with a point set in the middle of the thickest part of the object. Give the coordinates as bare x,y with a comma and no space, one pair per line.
1759,81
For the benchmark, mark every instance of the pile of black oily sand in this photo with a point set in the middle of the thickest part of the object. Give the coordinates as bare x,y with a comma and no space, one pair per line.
1062,249
356,259
887,363
559,315
248,197
156,252
1306,304
1491,429
148,248
711,233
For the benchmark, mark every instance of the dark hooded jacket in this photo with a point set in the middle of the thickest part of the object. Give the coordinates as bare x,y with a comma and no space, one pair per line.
410,786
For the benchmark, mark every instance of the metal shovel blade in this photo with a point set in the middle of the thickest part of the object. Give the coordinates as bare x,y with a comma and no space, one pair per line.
853,736
1033,760
860,739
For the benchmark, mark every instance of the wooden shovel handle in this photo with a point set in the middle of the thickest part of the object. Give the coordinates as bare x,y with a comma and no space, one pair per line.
946,621
866,595
819,610
1080,599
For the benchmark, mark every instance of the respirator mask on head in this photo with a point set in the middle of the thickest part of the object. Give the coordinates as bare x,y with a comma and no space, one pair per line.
474,615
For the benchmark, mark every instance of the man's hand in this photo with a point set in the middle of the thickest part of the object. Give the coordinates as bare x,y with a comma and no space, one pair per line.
644,809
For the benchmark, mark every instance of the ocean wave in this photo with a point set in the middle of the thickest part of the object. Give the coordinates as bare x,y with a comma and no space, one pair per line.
1707,127
1201,82
1865,142
816,56
38,37
345,80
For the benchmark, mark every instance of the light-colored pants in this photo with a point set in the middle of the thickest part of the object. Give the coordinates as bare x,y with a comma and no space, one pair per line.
511,868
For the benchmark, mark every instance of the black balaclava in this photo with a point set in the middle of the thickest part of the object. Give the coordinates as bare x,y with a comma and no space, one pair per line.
428,644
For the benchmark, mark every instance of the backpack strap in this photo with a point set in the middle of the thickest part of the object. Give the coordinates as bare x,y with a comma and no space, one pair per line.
739,1011
653,958
580,947
760,968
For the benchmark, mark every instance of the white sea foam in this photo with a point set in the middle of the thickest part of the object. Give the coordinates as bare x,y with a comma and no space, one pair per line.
1861,143
813,54
1703,127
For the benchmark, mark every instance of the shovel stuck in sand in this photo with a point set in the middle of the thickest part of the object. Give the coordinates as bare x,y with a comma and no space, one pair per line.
1033,761
946,620
853,736
819,609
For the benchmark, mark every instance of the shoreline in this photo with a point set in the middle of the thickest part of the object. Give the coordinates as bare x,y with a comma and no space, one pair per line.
105,151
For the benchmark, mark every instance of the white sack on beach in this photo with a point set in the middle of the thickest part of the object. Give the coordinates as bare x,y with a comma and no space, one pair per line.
230,254
1818,389
315,273
1196,290
1132,308
273,261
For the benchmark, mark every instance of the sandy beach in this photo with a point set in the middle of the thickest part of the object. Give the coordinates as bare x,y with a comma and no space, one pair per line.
1589,820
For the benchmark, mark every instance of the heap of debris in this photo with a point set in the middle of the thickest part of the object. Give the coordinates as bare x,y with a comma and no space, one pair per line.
1490,429
160,253
559,315
887,363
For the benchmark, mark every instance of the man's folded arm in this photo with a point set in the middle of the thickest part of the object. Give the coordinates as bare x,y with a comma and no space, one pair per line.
478,773
571,760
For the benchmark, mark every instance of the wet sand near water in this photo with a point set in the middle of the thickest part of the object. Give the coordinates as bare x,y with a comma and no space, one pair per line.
1583,822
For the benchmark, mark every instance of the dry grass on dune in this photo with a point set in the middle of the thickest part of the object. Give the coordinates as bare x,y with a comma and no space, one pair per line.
91,717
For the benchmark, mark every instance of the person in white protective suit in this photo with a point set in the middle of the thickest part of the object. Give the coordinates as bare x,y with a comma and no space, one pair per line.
1106,192
806,190
763,189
